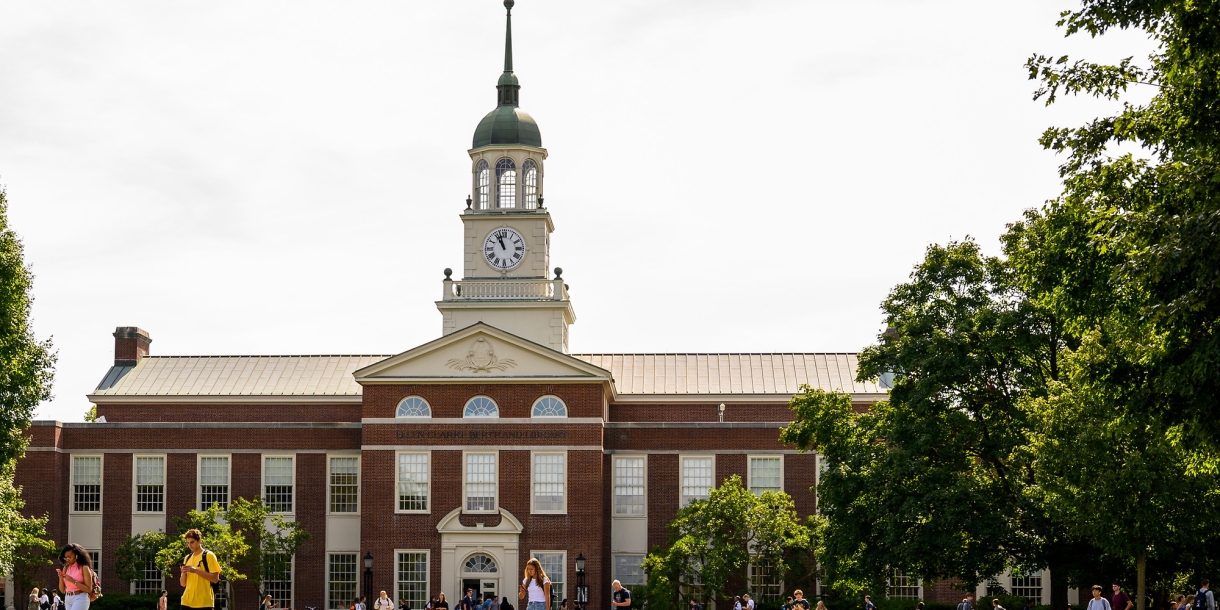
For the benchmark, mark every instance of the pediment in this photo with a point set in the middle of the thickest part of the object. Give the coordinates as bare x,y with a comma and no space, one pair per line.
480,352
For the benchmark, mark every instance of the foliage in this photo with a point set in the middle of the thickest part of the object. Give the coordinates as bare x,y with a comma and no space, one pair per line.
120,601
230,547
26,546
712,541
271,548
91,414
134,553
27,366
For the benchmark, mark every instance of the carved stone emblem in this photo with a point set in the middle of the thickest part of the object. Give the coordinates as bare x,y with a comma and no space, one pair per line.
481,359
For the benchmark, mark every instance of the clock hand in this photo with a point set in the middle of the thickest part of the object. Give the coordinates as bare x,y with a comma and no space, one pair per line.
501,238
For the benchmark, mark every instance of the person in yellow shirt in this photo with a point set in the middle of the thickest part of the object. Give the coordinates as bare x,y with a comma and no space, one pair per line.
199,572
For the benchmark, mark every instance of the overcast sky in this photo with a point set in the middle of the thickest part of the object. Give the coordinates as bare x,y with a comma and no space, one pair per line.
287,177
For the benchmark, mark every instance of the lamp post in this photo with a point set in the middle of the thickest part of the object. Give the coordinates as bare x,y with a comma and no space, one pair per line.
368,575
582,591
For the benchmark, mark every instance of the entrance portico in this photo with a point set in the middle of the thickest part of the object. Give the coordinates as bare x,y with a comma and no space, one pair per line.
482,554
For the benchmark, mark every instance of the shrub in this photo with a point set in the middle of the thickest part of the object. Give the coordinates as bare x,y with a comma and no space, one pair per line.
123,601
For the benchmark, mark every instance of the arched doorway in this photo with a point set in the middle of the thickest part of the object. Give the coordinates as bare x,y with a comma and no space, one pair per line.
481,574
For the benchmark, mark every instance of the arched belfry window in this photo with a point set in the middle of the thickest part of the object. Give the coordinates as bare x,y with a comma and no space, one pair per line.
481,406
413,406
529,185
482,184
506,183
549,406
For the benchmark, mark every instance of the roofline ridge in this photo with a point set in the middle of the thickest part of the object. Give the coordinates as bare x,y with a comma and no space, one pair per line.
167,356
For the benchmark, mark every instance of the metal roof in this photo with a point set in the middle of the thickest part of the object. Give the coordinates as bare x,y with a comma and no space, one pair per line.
781,373
730,373
236,376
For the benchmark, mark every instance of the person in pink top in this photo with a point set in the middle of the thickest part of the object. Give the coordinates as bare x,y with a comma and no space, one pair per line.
76,577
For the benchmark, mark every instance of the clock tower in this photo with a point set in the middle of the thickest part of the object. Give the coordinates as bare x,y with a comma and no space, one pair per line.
507,229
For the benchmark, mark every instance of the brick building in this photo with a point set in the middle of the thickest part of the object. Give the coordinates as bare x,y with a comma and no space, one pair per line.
453,462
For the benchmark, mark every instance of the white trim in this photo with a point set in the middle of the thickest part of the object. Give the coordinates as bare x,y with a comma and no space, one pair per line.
326,576
359,479
566,489
495,508
550,418
483,420
427,577
199,476
101,484
135,483
614,575
236,400
480,448
263,479
730,399
682,456
405,399
749,471
613,501
428,510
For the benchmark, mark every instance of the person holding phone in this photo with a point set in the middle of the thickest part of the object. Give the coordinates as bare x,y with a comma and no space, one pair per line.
198,572
76,576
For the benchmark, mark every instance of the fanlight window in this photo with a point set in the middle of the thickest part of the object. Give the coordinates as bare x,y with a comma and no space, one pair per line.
481,564
413,406
550,406
506,183
481,406
482,186
529,188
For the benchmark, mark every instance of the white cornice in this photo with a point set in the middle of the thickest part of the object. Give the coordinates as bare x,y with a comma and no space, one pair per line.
232,399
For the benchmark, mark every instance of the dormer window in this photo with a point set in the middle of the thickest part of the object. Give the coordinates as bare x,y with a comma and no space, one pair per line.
506,183
529,185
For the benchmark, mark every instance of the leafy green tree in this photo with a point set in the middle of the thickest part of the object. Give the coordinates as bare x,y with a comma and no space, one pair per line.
26,546
273,539
713,541
1157,211
134,553
230,547
27,366
91,414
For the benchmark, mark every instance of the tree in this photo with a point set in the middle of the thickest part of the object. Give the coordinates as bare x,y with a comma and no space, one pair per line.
941,464
26,547
91,414
230,547
27,366
1159,211
273,539
712,541
134,554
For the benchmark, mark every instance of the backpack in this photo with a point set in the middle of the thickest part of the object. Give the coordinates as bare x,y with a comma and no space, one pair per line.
97,586
1200,600
203,563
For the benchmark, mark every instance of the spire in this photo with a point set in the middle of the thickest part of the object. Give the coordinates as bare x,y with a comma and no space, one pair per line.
508,87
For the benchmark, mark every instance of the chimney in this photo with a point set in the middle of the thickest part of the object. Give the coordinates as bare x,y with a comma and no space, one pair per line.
130,344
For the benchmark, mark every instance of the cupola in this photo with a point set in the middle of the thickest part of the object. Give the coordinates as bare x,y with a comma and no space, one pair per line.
507,124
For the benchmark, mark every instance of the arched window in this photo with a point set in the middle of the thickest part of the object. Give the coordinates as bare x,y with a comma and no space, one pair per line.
506,183
480,564
529,187
550,406
413,406
481,406
482,187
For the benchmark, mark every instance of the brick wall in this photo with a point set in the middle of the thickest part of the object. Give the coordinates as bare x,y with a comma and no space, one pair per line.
514,400
692,439
662,490
311,497
800,476
103,437
178,412
116,510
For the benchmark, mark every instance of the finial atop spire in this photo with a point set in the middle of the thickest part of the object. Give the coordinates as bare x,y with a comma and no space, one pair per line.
508,87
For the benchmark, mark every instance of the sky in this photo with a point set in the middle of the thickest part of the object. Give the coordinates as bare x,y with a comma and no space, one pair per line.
287,177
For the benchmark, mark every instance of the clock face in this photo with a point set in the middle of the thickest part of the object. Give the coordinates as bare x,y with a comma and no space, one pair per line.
504,249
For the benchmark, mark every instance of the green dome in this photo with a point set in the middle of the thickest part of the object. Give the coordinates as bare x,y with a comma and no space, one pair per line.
507,125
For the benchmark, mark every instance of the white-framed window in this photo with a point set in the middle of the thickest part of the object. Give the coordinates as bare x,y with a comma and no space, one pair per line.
766,473
817,482
279,476
482,186
550,482
344,488
554,563
95,556
697,477
905,586
506,183
149,484
414,487
151,580
1028,586
222,594
529,184
629,570
480,475
481,406
213,481
549,406
413,406
340,580
765,582
278,582
629,475
411,577
86,483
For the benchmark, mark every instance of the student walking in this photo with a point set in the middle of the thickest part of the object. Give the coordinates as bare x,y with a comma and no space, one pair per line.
35,602
383,602
76,578
1120,600
622,596
1204,600
198,572
1098,602
800,602
535,588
